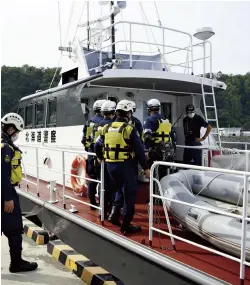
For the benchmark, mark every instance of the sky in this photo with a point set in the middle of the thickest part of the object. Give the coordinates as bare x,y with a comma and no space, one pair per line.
30,28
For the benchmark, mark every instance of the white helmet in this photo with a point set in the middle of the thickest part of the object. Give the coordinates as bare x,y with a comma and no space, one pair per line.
124,105
153,104
13,119
133,106
98,104
108,106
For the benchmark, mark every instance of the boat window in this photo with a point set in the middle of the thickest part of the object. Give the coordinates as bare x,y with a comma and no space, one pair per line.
166,110
114,99
51,112
28,116
21,111
39,114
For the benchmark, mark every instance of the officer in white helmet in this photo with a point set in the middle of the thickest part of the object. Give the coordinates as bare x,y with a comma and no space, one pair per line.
158,136
108,111
119,144
11,172
92,168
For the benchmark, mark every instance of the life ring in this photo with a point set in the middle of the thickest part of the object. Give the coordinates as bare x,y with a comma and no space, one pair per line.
78,167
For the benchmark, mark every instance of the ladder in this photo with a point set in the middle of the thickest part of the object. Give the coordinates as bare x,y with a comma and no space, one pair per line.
213,107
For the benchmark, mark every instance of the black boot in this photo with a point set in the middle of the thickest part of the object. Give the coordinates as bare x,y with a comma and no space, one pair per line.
17,264
114,217
127,228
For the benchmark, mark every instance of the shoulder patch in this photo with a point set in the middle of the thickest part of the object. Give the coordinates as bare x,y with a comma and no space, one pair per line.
7,158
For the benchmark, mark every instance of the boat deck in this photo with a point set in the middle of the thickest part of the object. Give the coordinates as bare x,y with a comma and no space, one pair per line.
210,263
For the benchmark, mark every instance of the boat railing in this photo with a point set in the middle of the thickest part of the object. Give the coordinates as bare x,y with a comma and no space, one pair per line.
223,150
172,236
182,56
64,174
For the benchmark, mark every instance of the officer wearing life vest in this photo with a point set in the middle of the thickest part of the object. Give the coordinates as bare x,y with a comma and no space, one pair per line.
11,219
134,121
108,111
158,137
121,143
91,168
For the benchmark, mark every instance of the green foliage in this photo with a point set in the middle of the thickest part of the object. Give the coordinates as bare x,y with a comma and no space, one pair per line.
18,82
233,104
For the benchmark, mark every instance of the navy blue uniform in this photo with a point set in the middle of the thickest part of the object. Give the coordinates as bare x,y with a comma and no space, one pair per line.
137,124
151,125
122,173
192,127
91,170
11,223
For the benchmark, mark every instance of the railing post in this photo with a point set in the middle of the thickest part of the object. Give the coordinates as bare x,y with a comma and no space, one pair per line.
37,174
247,157
243,235
102,193
151,204
192,57
211,68
204,59
130,46
163,51
63,173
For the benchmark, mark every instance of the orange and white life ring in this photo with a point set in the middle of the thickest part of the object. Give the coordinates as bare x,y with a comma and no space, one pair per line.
78,167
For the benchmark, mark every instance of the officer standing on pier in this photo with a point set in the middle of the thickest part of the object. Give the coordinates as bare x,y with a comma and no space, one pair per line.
11,176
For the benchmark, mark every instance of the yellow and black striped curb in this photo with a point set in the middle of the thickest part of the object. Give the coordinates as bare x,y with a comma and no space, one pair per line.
37,234
89,272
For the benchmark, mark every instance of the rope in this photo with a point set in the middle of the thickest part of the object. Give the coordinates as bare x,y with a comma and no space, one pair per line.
159,20
59,20
79,20
162,56
123,25
69,22
146,32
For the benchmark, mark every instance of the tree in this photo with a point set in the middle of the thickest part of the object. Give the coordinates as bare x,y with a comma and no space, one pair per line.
18,82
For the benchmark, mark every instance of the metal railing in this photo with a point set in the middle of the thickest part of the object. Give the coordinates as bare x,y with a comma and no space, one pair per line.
187,64
64,174
206,148
243,217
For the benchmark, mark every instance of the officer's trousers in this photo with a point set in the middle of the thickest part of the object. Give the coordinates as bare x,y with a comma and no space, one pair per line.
12,227
192,156
110,190
123,175
93,170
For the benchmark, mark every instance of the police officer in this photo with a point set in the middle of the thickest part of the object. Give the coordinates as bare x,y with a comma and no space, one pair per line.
91,168
108,111
159,139
192,124
11,220
121,144
134,121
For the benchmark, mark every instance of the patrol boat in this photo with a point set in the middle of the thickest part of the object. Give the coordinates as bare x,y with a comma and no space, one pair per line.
118,61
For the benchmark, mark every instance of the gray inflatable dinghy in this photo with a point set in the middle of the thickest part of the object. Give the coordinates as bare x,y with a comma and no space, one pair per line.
222,231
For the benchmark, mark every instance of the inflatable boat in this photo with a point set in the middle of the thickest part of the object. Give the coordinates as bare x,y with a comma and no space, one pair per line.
222,231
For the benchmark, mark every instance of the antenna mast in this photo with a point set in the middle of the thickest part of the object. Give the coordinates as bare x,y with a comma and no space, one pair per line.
88,23
112,21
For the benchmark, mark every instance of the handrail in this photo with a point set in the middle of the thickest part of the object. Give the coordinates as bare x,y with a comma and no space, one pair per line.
101,181
243,217
162,44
